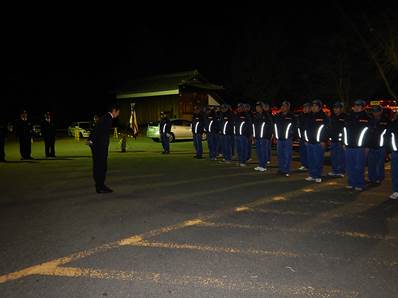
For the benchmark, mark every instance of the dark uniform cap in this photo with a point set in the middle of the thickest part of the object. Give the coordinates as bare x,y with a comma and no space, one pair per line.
307,104
285,102
260,103
359,102
317,102
338,104
377,109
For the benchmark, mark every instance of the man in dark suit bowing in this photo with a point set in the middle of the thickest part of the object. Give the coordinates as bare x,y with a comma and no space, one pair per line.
99,143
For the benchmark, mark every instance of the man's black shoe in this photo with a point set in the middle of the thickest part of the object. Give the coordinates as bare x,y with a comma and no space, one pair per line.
107,188
103,189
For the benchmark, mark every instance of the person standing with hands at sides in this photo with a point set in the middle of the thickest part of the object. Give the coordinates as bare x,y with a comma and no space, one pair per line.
248,111
301,123
99,143
355,136
284,126
236,142
24,132
377,151
316,135
392,137
48,132
212,129
164,132
268,111
197,131
337,151
219,120
3,134
262,133
243,131
227,132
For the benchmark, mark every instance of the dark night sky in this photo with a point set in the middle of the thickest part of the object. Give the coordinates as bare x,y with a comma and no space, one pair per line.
69,60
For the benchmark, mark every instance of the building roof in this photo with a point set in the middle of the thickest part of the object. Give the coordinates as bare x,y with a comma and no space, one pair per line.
165,85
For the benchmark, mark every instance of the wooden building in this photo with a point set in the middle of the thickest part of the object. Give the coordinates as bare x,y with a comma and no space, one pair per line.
175,94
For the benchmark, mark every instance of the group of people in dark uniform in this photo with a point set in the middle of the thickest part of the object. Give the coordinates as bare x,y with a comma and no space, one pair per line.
24,133
357,139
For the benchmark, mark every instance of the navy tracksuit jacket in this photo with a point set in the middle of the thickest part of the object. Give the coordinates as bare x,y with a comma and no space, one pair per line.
355,136
284,127
212,129
301,123
227,134
377,150
197,132
337,150
315,133
392,141
262,133
243,132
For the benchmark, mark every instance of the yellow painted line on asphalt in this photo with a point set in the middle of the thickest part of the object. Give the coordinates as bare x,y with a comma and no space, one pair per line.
138,239
245,286
134,239
282,197
279,198
241,209
53,264
294,230
255,252
50,265
216,249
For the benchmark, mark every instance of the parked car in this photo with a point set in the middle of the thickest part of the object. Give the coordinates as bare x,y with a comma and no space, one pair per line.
180,130
36,130
83,127
390,107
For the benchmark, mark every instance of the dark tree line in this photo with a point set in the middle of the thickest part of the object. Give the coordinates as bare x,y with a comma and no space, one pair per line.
352,55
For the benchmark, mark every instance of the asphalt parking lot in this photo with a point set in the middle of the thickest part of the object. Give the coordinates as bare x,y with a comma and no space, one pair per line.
180,227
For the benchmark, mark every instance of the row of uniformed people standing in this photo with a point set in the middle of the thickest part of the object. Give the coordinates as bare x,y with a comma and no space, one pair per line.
232,132
355,139
24,133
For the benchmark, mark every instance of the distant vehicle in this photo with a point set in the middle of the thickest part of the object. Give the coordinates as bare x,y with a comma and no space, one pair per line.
325,109
10,127
180,130
275,110
82,127
36,130
390,107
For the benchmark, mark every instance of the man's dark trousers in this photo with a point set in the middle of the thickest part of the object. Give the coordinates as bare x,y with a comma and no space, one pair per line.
2,144
100,165
25,146
49,145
